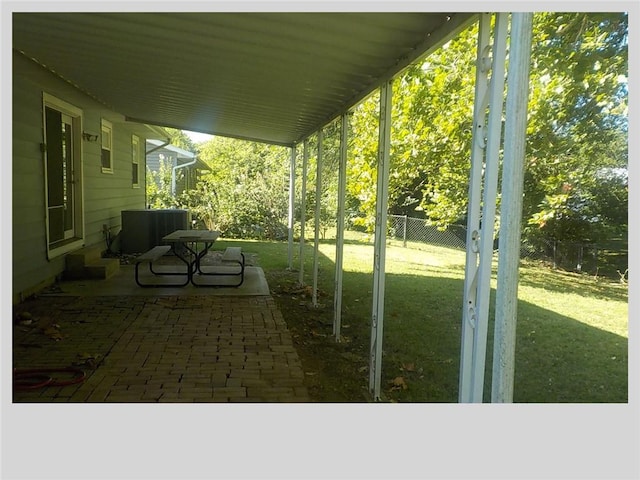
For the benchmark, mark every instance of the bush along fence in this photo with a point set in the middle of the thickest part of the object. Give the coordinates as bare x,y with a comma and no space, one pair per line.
610,259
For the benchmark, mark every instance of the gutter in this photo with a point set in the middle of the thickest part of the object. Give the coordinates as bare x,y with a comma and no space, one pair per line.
158,147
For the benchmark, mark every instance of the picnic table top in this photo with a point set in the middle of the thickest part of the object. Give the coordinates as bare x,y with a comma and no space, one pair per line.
192,236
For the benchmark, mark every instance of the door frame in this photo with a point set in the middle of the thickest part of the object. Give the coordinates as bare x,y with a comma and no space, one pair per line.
74,239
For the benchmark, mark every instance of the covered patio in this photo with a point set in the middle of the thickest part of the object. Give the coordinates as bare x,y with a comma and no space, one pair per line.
278,78
281,77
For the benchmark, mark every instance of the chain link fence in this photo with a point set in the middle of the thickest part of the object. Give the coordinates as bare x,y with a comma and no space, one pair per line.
409,229
609,259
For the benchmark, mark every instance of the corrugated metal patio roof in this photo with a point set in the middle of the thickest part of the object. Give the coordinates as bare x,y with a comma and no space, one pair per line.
273,77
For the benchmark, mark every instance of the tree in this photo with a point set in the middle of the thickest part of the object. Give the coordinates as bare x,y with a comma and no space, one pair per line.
430,138
182,140
158,189
362,161
577,128
329,179
246,193
577,123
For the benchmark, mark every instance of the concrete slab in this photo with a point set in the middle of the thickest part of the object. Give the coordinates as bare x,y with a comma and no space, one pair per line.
123,283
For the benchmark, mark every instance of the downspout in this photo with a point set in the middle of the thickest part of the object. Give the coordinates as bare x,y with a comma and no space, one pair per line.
173,174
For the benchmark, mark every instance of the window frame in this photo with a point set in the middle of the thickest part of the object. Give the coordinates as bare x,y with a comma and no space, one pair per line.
135,160
106,127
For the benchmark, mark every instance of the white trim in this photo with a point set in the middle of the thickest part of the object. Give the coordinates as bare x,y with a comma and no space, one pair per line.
136,151
316,242
76,114
342,188
292,200
478,145
65,248
478,278
380,242
303,207
106,125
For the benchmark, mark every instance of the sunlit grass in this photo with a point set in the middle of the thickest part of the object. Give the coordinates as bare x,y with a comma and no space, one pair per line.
572,329
600,304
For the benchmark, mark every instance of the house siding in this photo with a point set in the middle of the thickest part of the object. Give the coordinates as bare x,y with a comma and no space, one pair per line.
153,159
104,195
186,178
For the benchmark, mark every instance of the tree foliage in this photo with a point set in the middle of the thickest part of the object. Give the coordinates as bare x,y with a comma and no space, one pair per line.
158,185
180,139
158,189
577,129
246,193
575,187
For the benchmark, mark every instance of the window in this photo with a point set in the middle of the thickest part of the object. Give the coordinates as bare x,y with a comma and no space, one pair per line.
135,161
107,147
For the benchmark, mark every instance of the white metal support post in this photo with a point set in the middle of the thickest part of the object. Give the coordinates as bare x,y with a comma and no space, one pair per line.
292,200
314,294
382,190
481,213
511,208
303,208
478,144
342,188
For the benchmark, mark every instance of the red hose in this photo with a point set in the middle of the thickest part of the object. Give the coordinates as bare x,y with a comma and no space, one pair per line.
32,378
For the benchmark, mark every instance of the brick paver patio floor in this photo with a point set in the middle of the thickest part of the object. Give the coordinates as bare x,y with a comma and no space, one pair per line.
201,348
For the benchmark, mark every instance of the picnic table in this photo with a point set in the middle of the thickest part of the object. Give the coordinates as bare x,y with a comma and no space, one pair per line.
190,247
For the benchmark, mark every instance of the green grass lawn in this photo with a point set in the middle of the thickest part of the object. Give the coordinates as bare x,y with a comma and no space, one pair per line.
572,330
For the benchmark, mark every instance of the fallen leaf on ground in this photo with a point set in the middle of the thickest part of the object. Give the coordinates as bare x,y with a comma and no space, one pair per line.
87,359
399,383
409,367
53,333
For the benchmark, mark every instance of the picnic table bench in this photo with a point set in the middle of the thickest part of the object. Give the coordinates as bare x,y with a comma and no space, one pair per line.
182,241
153,255
231,255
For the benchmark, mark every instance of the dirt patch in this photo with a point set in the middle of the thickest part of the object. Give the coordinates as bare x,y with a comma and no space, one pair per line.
334,371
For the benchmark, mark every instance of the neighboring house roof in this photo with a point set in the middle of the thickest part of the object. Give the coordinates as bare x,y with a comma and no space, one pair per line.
182,156
180,152
273,77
